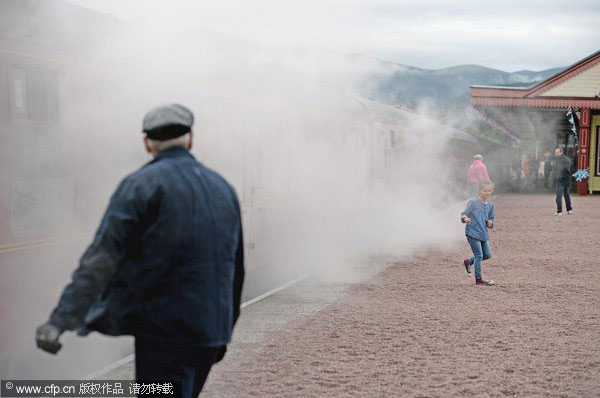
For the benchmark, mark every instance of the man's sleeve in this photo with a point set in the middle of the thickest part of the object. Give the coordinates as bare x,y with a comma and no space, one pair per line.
238,280
115,235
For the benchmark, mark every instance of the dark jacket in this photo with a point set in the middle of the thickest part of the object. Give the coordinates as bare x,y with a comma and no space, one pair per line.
548,166
562,169
167,260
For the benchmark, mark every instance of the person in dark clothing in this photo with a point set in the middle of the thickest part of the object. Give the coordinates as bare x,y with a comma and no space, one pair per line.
562,175
166,264
547,168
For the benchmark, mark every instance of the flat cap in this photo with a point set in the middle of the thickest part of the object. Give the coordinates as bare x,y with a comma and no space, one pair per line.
167,121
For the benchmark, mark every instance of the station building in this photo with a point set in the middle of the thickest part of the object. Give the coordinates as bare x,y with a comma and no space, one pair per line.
538,115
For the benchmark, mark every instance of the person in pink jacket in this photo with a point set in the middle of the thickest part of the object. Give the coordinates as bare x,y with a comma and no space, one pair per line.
477,172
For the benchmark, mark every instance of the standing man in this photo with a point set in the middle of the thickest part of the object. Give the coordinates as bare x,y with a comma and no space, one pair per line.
562,174
166,264
477,173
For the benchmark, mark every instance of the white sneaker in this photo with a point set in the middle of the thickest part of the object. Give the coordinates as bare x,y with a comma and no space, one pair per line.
570,211
558,214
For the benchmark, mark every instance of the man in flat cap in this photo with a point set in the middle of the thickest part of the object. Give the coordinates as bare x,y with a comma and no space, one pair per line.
166,264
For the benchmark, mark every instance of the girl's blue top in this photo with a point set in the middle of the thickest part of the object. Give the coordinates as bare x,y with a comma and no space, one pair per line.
479,213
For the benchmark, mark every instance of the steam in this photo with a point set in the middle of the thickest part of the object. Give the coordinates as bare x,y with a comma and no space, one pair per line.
321,173
308,160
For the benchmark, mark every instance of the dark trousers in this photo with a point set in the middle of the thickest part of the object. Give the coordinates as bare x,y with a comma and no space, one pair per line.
563,188
187,369
546,178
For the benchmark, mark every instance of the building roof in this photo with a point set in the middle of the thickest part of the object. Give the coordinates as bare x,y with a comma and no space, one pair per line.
576,86
532,113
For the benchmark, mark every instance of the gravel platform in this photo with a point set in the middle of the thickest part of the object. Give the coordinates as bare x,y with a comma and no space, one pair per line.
420,327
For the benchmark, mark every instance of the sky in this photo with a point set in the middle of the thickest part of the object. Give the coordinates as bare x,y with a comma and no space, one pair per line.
509,35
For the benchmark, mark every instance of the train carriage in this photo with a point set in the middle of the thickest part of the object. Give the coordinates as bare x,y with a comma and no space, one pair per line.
58,164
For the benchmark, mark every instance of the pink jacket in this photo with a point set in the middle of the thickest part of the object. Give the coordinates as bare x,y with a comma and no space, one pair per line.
477,172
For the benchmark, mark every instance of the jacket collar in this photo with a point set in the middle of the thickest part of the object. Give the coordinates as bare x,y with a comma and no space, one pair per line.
173,152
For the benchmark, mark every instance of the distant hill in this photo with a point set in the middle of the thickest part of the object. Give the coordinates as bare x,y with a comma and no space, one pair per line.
405,85
443,93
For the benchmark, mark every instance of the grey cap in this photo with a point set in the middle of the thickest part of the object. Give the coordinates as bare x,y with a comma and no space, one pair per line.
167,115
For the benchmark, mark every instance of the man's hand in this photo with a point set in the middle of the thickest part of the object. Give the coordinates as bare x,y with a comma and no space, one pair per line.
46,337
467,220
490,223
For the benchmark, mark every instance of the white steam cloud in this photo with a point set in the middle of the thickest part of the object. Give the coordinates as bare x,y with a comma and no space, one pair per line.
321,173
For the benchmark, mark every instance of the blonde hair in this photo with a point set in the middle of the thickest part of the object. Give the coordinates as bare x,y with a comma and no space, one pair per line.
483,184
478,157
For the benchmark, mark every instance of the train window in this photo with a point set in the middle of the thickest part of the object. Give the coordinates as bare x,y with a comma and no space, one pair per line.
35,94
38,99
18,90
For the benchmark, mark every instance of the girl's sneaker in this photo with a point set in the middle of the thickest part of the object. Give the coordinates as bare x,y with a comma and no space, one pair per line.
484,282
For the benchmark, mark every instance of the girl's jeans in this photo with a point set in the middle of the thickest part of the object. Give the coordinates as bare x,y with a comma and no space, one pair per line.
481,251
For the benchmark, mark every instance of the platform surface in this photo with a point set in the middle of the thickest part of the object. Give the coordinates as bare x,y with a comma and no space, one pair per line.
419,326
